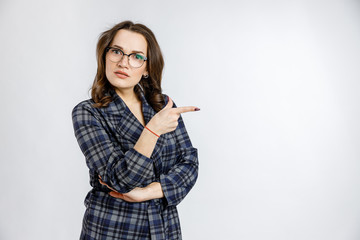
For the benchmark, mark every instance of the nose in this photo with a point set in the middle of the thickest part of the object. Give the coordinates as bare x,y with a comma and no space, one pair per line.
124,61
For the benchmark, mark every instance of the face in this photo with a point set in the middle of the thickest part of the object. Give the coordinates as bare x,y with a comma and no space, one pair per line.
128,42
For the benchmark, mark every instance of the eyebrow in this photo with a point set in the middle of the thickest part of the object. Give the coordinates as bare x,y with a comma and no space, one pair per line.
134,51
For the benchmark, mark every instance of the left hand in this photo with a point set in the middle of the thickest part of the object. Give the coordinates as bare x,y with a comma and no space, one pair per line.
136,195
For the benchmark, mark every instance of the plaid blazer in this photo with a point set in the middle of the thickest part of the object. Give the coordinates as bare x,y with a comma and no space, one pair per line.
106,137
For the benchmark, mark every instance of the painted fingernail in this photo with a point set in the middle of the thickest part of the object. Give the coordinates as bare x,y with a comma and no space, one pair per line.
197,109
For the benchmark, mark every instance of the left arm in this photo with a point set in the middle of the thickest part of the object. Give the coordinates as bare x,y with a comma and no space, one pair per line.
178,182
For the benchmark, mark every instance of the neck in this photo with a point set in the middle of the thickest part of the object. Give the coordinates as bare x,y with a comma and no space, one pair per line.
127,95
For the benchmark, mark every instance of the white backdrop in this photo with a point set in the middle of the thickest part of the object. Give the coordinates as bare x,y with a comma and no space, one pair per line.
278,132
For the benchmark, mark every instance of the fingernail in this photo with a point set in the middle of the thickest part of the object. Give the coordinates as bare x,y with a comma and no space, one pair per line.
197,109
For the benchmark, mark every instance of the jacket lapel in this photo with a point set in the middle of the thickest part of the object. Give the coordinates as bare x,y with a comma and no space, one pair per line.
119,107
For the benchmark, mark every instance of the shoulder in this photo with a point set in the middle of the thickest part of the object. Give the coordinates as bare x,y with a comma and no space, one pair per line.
84,113
83,106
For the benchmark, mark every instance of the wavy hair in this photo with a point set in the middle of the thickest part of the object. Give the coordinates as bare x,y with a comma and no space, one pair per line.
151,85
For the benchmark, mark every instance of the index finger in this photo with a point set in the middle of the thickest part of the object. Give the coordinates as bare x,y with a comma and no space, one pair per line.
186,109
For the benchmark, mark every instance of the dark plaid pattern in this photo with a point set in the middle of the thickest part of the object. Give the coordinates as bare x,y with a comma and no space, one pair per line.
106,137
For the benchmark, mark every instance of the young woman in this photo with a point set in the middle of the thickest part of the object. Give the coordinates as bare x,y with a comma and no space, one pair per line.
140,158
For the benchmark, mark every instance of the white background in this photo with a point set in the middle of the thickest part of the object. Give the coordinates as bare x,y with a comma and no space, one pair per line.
278,131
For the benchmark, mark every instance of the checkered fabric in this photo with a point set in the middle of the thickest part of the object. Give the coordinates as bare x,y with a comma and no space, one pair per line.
106,137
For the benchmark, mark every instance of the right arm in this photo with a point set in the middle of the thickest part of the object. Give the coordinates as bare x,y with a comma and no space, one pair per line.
122,170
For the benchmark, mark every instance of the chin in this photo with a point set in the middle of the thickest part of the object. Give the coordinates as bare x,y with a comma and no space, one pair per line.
121,84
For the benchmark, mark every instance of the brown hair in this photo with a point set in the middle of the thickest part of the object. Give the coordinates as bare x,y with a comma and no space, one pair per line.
155,65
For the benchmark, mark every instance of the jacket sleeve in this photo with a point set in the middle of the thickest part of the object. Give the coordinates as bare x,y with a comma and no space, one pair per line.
123,171
177,183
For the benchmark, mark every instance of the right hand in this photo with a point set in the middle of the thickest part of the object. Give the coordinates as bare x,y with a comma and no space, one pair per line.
166,120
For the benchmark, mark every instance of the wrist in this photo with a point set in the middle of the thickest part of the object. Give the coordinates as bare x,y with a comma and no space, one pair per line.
154,190
149,127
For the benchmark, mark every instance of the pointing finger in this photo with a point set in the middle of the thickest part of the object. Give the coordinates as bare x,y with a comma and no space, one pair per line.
186,109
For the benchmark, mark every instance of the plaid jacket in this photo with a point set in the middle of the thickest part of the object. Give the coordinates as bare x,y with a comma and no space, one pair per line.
106,137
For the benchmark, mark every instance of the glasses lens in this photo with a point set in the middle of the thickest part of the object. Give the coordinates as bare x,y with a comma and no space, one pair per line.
115,55
136,60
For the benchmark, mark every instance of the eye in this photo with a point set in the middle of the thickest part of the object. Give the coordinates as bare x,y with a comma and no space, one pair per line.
139,57
116,51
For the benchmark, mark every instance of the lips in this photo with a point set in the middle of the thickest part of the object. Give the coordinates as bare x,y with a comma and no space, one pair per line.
121,73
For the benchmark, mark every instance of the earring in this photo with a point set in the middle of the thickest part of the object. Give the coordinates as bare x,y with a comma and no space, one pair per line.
146,76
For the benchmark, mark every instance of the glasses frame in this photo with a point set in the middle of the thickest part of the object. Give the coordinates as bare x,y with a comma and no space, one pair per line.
124,54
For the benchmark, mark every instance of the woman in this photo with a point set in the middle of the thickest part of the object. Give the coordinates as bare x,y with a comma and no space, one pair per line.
140,158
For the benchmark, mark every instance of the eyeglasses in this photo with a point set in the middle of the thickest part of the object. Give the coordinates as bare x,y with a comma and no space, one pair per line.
135,60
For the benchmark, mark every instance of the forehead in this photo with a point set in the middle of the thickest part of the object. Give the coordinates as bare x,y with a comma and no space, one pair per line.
130,41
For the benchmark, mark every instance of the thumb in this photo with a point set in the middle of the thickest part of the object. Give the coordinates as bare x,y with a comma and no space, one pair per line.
169,104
